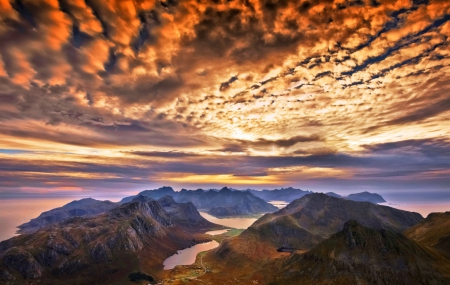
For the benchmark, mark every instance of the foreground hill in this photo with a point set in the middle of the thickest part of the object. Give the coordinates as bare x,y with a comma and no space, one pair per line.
433,232
134,237
218,203
307,221
79,208
311,219
360,255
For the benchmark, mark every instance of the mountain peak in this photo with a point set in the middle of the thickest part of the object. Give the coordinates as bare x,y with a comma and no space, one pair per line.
225,189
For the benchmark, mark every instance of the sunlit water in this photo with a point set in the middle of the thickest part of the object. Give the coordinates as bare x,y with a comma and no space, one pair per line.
187,256
14,212
238,223
279,204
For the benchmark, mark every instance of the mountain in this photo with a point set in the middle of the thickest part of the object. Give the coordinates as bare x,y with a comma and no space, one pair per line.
433,232
316,216
154,194
307,221
222,203
360,255
366,197
332,194
134,238
284,194
79,208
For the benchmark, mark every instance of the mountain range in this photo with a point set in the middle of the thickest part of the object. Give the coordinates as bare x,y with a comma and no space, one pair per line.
290,194
313,218
135,237
316,239
319,239
217,203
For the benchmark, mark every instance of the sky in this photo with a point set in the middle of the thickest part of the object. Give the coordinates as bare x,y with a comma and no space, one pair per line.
111,97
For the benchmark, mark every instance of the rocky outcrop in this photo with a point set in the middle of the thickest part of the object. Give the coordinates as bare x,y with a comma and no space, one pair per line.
81,208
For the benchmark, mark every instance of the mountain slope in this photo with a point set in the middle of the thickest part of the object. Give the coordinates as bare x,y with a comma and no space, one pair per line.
434,232
133,237
316,216
307,221
360,255
79,208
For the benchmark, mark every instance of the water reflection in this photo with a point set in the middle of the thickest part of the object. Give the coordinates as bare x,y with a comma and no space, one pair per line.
187,256
238,223
279,204
14,212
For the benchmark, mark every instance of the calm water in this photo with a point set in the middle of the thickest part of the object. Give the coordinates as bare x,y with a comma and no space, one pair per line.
238,223
279,204
14,212
187,256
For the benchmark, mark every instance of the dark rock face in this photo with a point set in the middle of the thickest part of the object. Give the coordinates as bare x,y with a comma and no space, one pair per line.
81,208
143,228
22,261
360,255
316,216
232,202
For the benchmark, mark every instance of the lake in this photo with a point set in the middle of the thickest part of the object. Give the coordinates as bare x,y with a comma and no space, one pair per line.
279,204
238,223
187,256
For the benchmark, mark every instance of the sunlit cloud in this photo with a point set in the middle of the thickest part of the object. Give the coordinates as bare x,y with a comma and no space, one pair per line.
108,95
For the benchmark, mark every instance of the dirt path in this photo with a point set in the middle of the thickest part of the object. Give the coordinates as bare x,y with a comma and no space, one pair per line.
201,263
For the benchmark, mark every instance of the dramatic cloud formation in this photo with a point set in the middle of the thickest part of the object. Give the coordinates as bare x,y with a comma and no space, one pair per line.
119,95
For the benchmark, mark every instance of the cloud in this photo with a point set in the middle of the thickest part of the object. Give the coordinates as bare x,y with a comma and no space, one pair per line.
192,90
